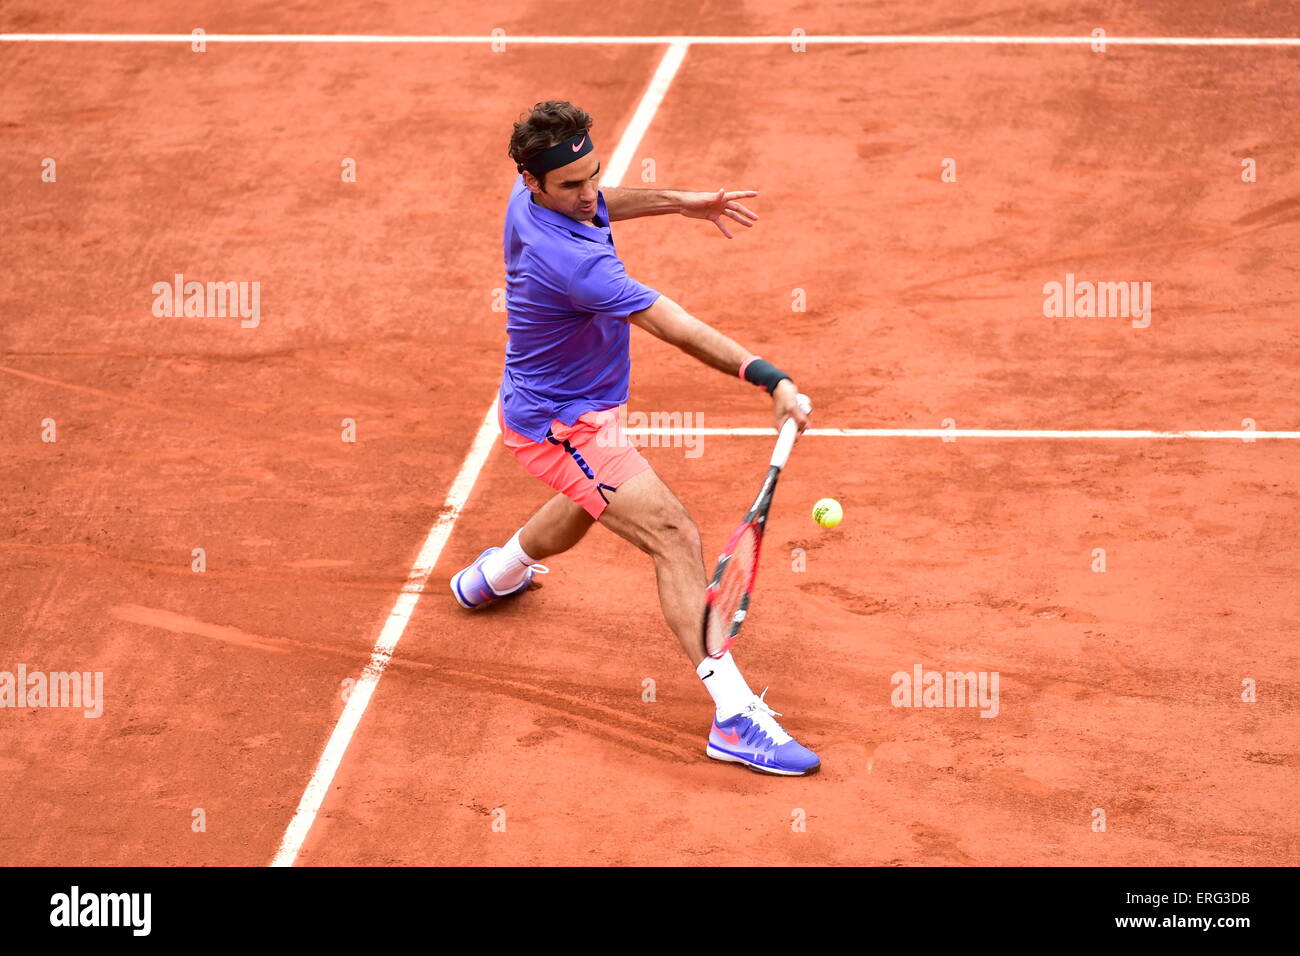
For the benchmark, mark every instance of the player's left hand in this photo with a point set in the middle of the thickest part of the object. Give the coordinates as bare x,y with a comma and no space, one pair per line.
713,206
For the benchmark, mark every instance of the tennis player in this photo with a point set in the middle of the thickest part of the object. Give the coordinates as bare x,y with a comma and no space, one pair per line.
570,305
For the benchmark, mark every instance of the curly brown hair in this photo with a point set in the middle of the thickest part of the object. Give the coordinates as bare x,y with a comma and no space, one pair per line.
543,126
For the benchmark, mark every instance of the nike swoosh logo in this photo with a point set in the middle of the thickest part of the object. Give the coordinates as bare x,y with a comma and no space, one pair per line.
580,142
707,676
731,737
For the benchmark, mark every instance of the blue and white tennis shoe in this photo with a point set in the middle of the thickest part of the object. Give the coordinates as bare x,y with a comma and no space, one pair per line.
754,738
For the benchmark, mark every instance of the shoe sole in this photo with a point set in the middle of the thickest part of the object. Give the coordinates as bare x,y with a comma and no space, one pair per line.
726,757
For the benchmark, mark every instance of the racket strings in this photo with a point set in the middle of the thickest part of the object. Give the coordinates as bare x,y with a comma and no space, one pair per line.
731,591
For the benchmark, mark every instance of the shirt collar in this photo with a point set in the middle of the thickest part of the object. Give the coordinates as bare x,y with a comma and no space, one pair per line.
600,234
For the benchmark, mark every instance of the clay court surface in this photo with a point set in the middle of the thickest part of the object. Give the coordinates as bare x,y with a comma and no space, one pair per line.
1120,691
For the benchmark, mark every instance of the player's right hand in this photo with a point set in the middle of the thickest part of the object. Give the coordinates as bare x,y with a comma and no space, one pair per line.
785,404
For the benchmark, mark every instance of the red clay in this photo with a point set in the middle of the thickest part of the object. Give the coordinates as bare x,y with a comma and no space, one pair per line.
1119,690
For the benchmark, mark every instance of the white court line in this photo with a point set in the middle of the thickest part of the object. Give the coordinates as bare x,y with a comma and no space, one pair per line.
317,787
398,617
1241,435
782,39
645,111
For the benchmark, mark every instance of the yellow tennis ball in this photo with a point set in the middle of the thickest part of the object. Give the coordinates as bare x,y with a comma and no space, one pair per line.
827,512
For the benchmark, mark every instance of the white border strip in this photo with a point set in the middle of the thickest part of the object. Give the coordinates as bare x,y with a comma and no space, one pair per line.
317,787
783,39
398,618
950,433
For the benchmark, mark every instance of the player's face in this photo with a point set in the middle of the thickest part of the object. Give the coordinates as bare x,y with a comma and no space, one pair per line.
570,189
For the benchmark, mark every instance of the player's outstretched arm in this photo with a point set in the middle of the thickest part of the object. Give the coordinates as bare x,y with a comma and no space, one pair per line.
667,320
626,202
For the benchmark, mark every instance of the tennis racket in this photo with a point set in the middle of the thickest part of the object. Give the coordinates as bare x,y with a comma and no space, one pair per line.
727,599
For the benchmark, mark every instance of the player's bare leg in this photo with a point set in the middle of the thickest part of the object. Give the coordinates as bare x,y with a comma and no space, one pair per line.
645,512
554,528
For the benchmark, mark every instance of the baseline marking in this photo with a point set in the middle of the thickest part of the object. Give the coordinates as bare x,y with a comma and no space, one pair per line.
783,39
318,786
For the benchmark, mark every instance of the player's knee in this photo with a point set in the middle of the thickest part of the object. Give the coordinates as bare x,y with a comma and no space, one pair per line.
677,533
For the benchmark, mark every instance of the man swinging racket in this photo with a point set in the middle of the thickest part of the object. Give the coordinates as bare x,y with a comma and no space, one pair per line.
569,303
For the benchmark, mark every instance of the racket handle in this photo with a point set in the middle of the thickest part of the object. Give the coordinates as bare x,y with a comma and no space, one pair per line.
789,432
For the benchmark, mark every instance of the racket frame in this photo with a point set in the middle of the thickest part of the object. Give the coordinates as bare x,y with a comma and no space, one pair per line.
756,518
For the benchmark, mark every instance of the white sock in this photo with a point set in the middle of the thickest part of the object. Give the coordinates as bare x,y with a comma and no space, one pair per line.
506,569
722,679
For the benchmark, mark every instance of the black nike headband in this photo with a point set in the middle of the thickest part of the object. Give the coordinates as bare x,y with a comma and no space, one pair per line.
561,154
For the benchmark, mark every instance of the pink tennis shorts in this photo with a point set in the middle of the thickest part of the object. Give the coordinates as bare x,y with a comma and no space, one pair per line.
586,461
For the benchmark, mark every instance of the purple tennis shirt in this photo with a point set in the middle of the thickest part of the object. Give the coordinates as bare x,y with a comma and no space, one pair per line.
567,302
